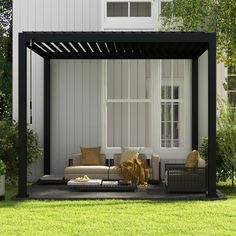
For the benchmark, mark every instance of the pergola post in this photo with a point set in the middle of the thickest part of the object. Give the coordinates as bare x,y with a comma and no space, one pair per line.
195,104
212,116
22,184
47,116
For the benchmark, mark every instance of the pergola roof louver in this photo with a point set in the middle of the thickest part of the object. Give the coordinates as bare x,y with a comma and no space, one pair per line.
132,45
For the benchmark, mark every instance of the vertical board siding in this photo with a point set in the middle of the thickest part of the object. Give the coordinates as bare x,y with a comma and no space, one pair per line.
118,87
74,115
59,15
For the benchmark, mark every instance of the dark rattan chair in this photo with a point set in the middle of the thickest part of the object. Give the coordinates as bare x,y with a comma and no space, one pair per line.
179,178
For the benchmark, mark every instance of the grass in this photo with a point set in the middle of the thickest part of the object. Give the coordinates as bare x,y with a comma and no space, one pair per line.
117,217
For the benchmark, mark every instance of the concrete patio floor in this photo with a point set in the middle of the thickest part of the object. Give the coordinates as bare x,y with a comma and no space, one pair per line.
152,192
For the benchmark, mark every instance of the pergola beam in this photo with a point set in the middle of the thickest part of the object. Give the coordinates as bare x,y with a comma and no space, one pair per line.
195,104
46,122
22,119
212,116
147,37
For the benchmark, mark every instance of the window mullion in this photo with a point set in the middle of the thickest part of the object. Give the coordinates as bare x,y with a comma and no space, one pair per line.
128,9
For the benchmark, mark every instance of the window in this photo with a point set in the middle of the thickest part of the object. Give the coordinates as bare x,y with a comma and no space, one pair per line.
171,103
128,104
169,116
231,86
117,9
129,9
140,9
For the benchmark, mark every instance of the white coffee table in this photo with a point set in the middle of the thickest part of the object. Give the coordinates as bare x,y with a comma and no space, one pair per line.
96,185
91,182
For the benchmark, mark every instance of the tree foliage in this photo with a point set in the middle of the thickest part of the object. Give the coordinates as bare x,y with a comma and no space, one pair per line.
9,147
208,16
5,58
226,142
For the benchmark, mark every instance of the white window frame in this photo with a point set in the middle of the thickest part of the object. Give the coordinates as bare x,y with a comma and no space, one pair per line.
180,101
155,84
229,91
129,23
185,147
105,101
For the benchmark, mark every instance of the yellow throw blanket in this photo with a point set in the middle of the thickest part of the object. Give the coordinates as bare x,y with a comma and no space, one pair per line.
135,170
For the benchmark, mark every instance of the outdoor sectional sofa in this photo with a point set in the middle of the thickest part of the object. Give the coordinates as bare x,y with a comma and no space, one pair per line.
109,169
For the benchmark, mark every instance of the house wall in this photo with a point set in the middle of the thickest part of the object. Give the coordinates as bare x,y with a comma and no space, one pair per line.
202,97
75,109
203,92
51,15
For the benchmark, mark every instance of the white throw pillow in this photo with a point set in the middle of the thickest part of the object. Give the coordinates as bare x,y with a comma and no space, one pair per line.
127,153
201,162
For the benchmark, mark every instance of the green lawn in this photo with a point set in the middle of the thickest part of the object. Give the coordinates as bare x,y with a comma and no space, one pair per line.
116,217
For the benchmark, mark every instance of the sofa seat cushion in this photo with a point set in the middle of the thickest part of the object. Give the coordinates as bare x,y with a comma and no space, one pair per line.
114,170
86,169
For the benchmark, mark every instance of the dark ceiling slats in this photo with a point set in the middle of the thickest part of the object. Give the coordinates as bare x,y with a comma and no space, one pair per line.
103,48
38,50
60,46
86,47
79,49
111,48
69,47
43,47
94,47
52,47
114,46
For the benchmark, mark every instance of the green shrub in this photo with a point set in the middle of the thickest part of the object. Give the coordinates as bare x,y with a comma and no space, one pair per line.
2,168
9,147
225,142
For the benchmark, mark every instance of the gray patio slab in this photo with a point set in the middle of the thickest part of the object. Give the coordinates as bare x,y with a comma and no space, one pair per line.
152,192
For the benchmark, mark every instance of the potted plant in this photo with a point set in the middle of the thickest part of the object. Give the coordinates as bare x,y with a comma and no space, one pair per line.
2,179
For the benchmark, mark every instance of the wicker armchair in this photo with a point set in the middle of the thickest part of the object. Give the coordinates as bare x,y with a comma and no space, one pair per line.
179,178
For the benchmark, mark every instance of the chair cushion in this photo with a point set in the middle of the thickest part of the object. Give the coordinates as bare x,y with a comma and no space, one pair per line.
86,169
192,159
114,170
90,156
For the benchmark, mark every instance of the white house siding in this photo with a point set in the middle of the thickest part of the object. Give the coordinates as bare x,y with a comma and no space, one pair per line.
75,109
203,92
55,15
203,96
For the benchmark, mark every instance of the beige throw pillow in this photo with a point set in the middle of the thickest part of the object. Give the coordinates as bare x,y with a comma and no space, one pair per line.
90,156
127,153
192,159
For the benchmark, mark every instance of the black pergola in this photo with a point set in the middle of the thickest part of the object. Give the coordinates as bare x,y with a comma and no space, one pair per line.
117,45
